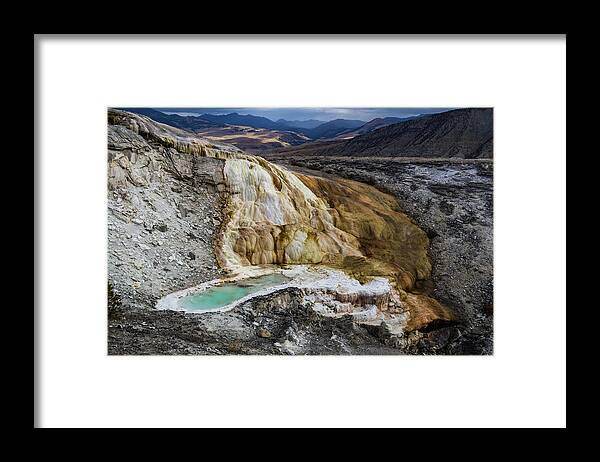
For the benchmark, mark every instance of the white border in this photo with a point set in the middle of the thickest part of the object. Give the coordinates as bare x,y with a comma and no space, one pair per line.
523,384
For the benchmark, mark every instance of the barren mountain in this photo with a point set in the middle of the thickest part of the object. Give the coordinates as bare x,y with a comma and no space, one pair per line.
461,133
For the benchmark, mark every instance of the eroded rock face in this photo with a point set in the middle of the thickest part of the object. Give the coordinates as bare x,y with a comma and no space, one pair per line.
275,219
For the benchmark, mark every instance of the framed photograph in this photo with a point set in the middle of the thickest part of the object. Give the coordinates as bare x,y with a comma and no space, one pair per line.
300,237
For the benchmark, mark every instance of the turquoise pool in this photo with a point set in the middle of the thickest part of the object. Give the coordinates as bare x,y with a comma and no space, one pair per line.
229,292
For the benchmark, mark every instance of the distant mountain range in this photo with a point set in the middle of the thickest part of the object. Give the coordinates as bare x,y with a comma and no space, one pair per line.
246,120
314,129
460,133
191,123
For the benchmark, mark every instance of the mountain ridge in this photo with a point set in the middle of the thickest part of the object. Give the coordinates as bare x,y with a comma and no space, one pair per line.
465,133
333,128
305,124
374,124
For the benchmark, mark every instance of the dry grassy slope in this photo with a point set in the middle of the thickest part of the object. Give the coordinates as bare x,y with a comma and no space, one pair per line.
252,139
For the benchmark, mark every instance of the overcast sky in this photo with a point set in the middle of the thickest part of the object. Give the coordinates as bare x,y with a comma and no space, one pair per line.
324,114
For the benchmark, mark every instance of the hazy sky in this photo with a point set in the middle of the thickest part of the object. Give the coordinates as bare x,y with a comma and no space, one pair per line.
324,114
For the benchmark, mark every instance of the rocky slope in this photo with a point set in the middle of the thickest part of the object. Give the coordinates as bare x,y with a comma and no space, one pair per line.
452,201
281,324
163,213
182,208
